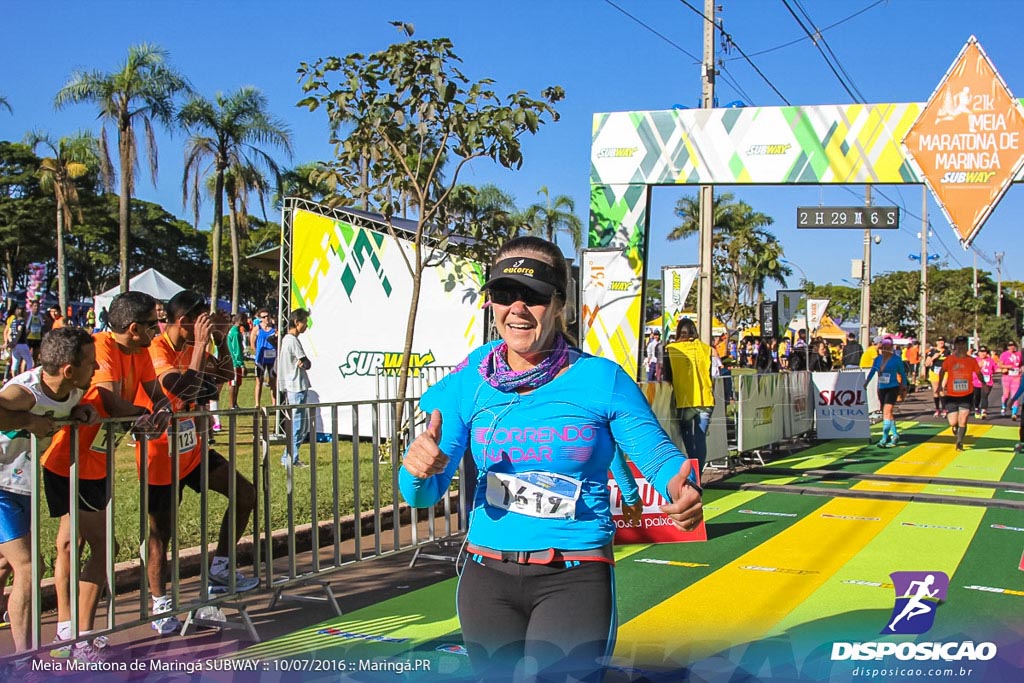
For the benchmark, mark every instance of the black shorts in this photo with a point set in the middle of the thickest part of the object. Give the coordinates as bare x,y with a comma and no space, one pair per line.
960,402
264,372
161,498
92,494
888,396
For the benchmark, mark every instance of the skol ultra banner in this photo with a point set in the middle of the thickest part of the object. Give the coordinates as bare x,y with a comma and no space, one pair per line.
610,307
676,282
841,405
357,287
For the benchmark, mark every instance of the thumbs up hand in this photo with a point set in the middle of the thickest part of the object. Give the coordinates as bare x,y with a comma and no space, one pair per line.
424,457
685,510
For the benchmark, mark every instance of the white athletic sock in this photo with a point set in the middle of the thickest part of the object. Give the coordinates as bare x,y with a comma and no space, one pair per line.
63,630
214,406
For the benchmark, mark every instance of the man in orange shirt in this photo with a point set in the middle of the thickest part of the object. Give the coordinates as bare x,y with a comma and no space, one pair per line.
189,376
913,359
123,369
958,370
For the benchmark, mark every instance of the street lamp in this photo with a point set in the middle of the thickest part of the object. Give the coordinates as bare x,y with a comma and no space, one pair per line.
807,309
917,257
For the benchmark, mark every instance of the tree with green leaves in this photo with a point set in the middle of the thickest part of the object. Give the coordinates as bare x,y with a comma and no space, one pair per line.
140,92
485,216
305,181
229,132
745,255
71,158
25,213
401,115
555,215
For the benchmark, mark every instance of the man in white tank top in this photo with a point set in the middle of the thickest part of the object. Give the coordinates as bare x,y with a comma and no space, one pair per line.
31,402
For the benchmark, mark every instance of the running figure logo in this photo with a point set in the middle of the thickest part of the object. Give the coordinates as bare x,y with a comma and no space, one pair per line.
917,597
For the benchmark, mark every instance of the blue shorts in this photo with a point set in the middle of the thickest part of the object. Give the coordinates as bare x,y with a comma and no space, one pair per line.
15,515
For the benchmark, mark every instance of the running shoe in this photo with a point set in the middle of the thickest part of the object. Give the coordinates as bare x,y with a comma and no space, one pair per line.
945,413
94,651
1019,447
984,415
977,416
242,582
216,427
6,622
894,441
959,446
165,625
1015,417
937,414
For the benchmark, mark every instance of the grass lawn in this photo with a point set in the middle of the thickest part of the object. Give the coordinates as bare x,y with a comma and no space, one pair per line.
125,503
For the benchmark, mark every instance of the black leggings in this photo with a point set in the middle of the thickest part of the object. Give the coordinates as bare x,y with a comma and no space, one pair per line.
981,397
558,619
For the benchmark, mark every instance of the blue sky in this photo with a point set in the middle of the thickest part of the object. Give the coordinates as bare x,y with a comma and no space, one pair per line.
893,51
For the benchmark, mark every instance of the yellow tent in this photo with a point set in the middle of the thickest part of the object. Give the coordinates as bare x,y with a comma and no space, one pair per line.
754,331
829,329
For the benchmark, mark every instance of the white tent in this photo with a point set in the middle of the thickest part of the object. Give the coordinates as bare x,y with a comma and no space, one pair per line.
150,281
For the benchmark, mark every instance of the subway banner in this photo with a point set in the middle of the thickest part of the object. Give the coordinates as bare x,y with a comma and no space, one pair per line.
357,287
841,405
610,307
676,282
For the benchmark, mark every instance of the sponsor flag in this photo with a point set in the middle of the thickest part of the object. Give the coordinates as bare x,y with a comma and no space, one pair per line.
676,282
817,312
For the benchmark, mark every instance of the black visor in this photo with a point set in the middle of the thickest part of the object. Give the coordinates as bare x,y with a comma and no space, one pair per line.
530,272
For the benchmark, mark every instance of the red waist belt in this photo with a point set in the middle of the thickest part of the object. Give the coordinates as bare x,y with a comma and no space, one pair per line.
547,556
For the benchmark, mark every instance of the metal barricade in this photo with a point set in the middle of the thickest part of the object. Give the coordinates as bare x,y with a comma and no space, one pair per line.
306,523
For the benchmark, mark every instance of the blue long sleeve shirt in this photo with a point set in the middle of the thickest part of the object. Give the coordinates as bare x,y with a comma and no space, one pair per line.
543,457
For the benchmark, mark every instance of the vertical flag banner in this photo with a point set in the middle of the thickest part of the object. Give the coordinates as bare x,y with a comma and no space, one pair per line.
817,311
791,305
676,282
610,307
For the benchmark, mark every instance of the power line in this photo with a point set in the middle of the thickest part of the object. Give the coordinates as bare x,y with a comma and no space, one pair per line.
827,28
818,41
692,56
734,44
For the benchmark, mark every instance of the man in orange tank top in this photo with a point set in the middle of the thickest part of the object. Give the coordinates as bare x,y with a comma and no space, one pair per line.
189,375
123,369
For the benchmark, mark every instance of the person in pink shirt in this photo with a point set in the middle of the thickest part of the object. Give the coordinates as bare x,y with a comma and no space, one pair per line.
1009,365
982,389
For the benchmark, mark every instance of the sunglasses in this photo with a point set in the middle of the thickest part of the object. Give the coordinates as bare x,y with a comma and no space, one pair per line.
149,325
506,296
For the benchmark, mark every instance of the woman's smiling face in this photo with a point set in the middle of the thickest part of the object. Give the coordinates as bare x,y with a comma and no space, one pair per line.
526,320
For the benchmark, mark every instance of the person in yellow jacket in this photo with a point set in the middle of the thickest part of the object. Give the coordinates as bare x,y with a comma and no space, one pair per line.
691,366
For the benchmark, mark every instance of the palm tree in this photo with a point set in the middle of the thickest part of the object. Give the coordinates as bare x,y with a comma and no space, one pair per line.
4,104
554,216
72,158
240,182
745,254
227,133
142,90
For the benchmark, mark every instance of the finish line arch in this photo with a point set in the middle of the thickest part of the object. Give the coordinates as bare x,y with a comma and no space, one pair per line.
856,144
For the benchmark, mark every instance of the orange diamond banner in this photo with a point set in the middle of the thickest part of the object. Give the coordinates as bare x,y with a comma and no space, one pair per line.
967,141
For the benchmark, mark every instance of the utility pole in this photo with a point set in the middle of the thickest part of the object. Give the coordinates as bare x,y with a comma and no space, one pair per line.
707,192
924,276
976,343
865,291
999,283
